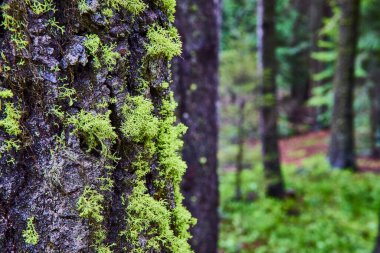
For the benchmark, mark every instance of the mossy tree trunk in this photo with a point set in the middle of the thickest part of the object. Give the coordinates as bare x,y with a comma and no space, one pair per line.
88,142
266,33
342,148
196,83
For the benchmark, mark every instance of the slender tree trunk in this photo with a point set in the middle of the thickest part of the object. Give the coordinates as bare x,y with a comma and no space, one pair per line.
196,80
266,31
240,152
317,13
88,146
374,95
342,148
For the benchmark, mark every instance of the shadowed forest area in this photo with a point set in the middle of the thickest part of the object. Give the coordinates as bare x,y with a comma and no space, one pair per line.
189,126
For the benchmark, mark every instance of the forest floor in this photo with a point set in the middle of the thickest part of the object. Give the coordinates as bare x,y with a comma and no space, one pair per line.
296,149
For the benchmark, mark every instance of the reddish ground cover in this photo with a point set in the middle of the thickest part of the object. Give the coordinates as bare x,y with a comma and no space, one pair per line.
295,149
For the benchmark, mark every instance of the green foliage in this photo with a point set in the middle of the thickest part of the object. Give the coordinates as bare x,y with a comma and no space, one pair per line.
140,124
333,211
95,128
30,234
90,205
163,42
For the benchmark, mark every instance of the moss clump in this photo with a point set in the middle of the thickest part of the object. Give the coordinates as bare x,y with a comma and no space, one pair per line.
90,205
169,143
133,6
169,7
93,45
14,25
40,7
150,219
140,125
107,54
163,42
95,128
30,233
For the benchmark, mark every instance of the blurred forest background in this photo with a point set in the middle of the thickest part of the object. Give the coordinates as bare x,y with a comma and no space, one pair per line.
327,56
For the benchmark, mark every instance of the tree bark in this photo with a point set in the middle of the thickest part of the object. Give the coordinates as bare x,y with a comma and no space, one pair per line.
266,31
196,82
88,146
342,148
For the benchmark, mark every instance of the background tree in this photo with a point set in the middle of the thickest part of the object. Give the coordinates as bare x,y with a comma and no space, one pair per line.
196,83
266,33
342,148
88,142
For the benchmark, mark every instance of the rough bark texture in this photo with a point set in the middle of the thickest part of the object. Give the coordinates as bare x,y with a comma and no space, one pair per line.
79,82
266,33
342,148
196,83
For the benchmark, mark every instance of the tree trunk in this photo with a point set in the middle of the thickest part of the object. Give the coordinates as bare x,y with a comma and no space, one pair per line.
342,148
266,31
88,140
240,153
374,95
196,83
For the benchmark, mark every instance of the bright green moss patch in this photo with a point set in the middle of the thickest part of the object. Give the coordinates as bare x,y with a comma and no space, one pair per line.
109,56
41,6
150,219
133,6
16,26
163,42
140,124
169,143
30,234
95,128
90,205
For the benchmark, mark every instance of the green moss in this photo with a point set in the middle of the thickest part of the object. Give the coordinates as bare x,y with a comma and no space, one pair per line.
11,123
12,23
133,6
95,128
67,93
93,45
140,125
169,7
90,205
163,42
40,7
30,233
109,56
